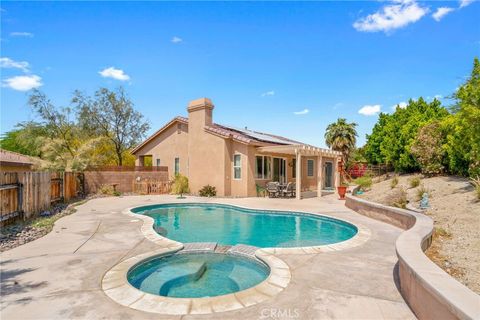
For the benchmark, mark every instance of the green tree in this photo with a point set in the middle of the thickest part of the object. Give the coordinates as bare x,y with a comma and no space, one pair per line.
58,122
63,139
393,135
111,114
342,136
24,139
427,148
372,148
463,140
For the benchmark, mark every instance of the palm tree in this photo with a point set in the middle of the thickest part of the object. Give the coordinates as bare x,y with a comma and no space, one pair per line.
341,136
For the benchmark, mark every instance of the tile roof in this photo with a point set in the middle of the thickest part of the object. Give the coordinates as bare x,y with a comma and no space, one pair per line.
14,158
241,135
248,136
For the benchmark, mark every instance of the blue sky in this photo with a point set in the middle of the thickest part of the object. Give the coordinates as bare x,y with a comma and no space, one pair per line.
281,67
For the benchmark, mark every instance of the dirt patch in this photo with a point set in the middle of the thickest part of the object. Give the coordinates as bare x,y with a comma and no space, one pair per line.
455,211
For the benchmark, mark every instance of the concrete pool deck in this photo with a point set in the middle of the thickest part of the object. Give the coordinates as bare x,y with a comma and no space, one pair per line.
60,275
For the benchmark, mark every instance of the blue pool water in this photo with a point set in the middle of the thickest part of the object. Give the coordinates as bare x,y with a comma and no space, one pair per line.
229,225
195,275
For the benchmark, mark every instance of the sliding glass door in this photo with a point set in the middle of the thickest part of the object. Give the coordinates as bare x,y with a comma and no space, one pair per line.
279,170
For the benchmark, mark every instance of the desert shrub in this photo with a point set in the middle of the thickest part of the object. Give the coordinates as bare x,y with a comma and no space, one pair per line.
208,191
364,182
414,182
420,191
180,185
398,198
106,189
117,193
440,232
476,185
394,182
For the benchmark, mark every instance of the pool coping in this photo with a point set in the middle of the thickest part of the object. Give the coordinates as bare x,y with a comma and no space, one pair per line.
362,235
116,286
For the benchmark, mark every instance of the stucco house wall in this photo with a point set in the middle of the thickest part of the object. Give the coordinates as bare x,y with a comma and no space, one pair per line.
206,152
168,145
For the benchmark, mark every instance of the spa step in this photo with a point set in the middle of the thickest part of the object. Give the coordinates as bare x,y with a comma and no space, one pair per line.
222,249
156,280
199,246
243,249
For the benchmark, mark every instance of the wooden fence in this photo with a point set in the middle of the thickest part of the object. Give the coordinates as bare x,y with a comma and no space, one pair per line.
359,169
152,187
29,193
11,198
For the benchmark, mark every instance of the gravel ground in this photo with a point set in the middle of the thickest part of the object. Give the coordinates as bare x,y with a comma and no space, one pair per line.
15,235
456,214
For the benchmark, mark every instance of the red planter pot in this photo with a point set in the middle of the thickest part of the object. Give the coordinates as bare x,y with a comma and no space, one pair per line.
342,190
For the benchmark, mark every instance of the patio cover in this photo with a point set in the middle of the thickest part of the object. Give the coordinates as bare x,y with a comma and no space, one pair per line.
300,150
303,149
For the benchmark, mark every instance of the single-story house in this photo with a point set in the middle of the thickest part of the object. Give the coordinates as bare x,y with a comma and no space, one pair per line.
236,161
12,161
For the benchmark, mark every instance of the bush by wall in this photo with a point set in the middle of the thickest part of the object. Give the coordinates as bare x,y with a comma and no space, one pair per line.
208,191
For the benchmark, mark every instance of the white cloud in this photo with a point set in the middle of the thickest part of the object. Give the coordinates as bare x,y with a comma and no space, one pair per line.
438,96
9,63
393,16
464,3
268,93
441,12
177,40
21,34
401,105
117,74
23,83
337,105
370,110
304,111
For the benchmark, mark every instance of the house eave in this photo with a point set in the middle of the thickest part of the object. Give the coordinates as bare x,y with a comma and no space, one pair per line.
159,131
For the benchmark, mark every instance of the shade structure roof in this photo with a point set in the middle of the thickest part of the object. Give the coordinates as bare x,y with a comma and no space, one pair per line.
303,149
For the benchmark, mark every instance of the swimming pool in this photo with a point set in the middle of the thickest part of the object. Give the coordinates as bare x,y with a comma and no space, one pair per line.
230,225
196,275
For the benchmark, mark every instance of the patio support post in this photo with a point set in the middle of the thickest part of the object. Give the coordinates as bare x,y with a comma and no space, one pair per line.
319,176
298,177
337,175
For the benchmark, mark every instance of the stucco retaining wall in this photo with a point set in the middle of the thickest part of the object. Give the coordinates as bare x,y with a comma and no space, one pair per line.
430,292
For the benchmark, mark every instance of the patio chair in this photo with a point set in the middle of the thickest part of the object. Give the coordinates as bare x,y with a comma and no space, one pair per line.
289,190
273,189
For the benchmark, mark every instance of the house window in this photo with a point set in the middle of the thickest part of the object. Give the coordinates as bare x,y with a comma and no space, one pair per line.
177,165
262,167
158,162
294,168
237,166
310,168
